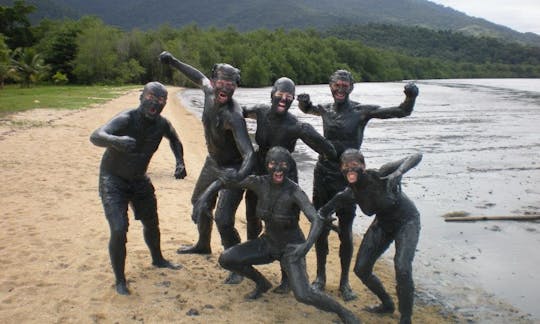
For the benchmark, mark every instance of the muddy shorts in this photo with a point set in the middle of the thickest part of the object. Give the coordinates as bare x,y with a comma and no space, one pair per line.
117,193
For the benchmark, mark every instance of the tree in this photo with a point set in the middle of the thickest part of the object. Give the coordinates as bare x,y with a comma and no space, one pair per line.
129,72
135,49
15,26
58,45
28,66
5,62
97,60
255,72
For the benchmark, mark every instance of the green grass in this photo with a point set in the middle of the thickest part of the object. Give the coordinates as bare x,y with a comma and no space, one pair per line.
14,99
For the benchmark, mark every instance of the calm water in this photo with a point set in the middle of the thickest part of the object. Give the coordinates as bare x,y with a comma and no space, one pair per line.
481,143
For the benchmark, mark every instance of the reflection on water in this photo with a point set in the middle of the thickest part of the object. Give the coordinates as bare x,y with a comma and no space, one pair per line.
481,142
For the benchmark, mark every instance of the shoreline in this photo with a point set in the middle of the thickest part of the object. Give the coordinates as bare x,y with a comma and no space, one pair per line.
454,262
56,266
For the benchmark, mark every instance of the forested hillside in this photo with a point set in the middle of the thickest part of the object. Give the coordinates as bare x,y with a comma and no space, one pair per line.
441,44
90,51
247,15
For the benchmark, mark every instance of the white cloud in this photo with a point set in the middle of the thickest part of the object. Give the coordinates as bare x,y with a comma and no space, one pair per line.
520,15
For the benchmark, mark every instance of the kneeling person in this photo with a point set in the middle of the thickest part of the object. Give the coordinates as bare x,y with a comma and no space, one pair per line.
279,198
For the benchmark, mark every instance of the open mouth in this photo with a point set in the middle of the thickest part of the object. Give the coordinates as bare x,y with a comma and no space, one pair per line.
278,177
352,177
340,96
152,110
281,107
222,96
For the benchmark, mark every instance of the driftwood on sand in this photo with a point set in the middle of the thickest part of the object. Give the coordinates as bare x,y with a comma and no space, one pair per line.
486,218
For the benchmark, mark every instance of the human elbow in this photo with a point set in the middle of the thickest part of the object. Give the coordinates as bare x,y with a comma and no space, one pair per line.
417,158
94,138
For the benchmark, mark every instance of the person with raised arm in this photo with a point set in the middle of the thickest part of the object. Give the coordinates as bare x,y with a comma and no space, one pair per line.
230,152
378,192
276,126
344,122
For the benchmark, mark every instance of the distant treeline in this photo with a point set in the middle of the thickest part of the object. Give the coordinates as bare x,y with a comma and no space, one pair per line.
441,44
87,51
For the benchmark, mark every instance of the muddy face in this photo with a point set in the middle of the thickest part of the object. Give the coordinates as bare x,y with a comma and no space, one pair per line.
282,95
225,80
281,102
278,162
153,100
352,171
340,90
224,90
353,166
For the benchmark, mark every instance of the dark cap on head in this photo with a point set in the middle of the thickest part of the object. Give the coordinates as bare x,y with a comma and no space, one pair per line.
156,88
352,155
226,72
283,84
342,75
278,153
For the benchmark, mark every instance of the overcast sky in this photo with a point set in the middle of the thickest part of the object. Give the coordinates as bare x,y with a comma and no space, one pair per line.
520,15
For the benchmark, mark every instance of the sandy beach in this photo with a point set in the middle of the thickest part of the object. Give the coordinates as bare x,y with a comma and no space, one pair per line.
55,265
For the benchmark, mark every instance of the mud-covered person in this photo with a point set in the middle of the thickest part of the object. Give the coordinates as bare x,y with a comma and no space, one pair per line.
230,152
279,199
378,192
276,126
130,139
344,122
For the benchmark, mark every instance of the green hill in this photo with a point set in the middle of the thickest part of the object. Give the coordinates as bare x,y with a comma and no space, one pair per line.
439,44
247,15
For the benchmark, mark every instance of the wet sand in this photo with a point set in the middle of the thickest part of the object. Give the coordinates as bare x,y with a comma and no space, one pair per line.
480,145
480,142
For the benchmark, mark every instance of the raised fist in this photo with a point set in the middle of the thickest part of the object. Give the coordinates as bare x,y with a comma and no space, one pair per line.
411,90
304,99
166,57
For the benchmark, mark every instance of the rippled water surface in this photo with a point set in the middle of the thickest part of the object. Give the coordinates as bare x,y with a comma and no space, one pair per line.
481,146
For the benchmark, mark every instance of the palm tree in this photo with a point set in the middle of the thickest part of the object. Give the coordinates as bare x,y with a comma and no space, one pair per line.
28,66
5,63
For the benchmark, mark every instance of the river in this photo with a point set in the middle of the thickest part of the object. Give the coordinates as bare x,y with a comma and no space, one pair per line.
480,140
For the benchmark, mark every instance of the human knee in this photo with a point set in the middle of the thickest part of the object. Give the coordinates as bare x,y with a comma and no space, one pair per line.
362,271
322,243
150,224
303,295
403,272
346,250
228,232
346,236
225,260
118,225
118,236
224,221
